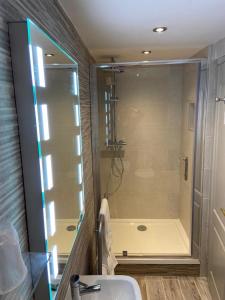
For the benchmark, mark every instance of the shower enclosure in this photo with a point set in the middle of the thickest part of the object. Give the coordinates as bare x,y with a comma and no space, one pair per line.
145,119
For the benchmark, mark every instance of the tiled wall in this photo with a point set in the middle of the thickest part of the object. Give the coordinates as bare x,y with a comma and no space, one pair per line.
48,15
149,117
11,185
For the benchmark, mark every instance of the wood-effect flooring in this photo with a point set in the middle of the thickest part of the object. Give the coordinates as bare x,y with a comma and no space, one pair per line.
173,288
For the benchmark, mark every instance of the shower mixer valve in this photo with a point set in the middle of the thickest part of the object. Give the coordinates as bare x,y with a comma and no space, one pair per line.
119,143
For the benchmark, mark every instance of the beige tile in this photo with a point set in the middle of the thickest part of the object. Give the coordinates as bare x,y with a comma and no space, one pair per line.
150,117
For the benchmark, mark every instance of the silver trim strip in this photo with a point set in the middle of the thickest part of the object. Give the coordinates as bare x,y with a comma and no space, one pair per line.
100,241
61,66
163,260
152,62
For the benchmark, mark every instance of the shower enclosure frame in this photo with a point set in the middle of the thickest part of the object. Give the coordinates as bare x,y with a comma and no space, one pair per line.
195,257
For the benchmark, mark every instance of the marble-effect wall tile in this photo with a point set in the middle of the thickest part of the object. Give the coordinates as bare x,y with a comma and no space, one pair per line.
48,15
149,118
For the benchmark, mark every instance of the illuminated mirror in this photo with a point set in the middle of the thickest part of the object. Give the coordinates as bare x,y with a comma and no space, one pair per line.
57,111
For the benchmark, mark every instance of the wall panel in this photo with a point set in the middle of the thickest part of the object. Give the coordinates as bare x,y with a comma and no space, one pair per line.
48,15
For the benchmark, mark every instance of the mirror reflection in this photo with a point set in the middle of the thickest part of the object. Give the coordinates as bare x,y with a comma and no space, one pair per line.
57,108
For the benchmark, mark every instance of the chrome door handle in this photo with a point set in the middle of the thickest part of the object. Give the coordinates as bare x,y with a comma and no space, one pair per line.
185,159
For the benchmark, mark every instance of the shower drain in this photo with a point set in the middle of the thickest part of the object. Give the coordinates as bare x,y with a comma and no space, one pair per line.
142,228
71,228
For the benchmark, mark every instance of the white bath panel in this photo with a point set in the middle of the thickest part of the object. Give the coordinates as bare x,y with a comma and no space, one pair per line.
162,237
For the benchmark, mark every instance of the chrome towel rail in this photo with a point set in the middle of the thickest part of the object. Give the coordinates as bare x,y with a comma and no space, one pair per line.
99,243
218,99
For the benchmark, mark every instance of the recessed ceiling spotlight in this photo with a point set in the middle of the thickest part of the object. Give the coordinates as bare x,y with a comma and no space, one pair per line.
160,29
146,52
49,54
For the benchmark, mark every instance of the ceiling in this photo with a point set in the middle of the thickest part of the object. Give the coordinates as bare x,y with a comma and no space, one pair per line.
123,28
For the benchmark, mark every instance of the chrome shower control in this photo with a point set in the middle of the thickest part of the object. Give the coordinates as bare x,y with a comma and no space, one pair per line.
219,99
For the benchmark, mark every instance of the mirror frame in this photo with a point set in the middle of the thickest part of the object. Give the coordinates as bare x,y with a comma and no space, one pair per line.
25,99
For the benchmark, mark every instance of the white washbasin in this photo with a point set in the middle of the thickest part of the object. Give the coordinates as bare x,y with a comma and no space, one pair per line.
113,287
